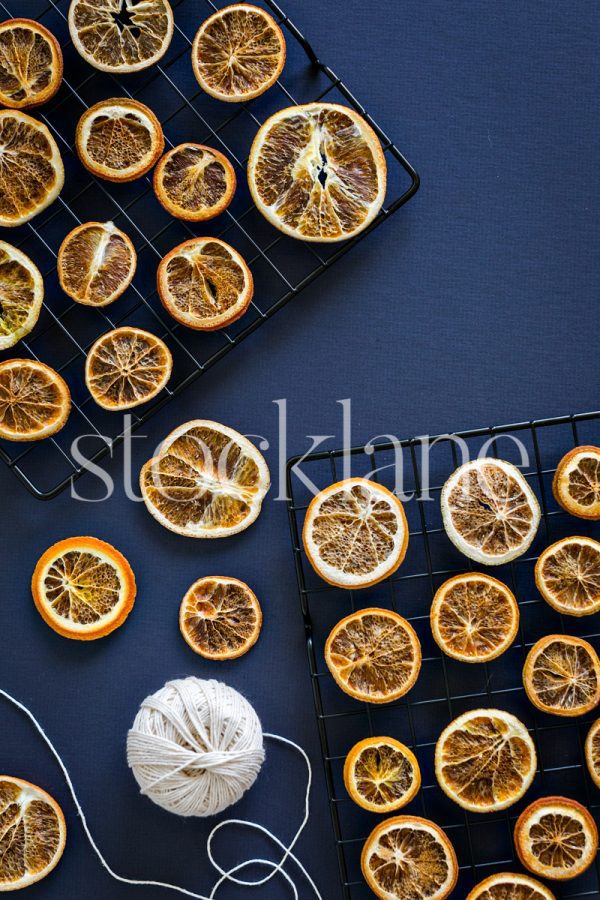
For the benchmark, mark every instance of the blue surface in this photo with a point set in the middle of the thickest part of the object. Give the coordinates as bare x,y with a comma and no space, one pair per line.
474,305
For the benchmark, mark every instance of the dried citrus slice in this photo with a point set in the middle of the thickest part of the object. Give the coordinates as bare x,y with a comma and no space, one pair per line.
31,64
127,367
407,857
96,263
474,617
576,482
374,655
194,182
220,618
556,837
381,774
567,575
121,35
317,172
238,53
592,752
207,481
561,675
83,588
490,513
21,295
33,833
485,760
119,139
205,284
355,533
31,168
35,401
510,886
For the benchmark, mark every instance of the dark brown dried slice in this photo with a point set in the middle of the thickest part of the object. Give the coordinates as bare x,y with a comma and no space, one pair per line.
556,837
567,575
576,482
35,401
194,182
127,367
220,618
96,263
592,752
31,64
562,675
510,886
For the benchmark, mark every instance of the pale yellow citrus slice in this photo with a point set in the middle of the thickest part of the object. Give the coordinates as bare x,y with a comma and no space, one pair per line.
567,575
556,837
127,367
96,263
35,401
31,168
592,752
21,295
510,886
561,675
194,182
576,482
381,774
220,618
31,64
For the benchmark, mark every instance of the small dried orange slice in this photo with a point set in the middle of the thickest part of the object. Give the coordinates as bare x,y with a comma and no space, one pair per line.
381,774
31,64
220,618
205,284
21,295
510,886
374,655
127,367
485,760
556,837
567,575
35,401
238,53
576,482
119,139
194,182
408,857
83,588
31,168
33,833
592,752
96,263
561,675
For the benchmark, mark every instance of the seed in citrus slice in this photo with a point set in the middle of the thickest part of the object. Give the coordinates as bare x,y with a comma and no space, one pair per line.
220,618
31,168
21,295
567,575
33,833
485,760
127,367
83,588
409,857
205,284
207,481
96,263
561,675
576,482
31,64
355,533
35,401
194,182
510,886
121,35
238,53
592,752
556,837
474,617
374,655
381,774
119,139
317,172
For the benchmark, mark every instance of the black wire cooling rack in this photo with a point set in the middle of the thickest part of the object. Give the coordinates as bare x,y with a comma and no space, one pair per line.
446,688
281,266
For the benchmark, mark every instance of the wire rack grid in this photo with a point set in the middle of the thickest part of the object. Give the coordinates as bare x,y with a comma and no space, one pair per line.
446,688
281,266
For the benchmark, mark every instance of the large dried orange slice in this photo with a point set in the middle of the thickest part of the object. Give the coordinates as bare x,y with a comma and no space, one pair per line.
490,512
31,64
408,857
576,482
121,35
127,367
556,837
238,53
21,295
33,833
220,618
485,760
194,182
96,263
207,481
205,284
510,886
35,401
561,675
119,139
381,774
31,168
374,655
355,533
592,752
567,575
83,588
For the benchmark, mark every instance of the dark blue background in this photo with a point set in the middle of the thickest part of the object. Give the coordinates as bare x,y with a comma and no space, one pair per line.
476,304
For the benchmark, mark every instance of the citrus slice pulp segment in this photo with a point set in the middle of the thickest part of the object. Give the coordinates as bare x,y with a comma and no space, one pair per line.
127,367
567,575
220,618
576,482
194,182
561,675
510,886
35,401
31,64
317,172
96,263
556,837
31,168
21,295
119,139
592,752
381,774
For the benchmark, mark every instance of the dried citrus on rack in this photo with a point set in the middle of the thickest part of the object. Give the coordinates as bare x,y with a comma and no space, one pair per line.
381,774
83,588
21,295
407,857
561,675
374,655
238,53
317,172
556,837
31,64
127,367
510,886
96,263
121,35
485,760
490,513
119,139
576,482
220,618
592,752
205,284
35,401
194,182
31,168
33,833
207,481
567,575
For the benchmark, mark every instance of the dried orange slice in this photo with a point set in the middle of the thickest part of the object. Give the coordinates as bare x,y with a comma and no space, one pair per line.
317,172
121,35
561,675
408,857
21,295
33,833
381,774
374,655
220,618
31,168
556,837
31,64
355,533
194,182
238,53
474,617
490,513
35,401
567,575
205,284
96,263
485,760
127,367
576,482
510,886
592,752
119,139
207,481
83,588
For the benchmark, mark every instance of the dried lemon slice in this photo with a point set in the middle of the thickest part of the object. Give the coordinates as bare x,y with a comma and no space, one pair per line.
119,139
576,482
567,575
381,774
510,886
556,837
35,401
21,295
220,618
96,263
31,64
592,752
194,182
31,168
127,367
561,675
